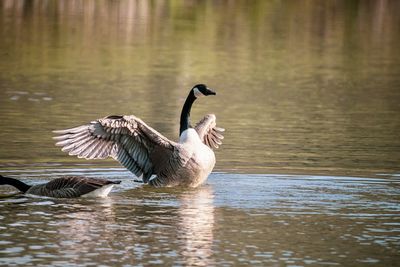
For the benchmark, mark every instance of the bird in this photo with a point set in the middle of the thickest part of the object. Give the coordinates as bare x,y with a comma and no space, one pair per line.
150,156
64,187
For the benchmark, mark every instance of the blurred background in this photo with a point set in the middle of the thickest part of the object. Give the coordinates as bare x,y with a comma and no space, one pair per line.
303,86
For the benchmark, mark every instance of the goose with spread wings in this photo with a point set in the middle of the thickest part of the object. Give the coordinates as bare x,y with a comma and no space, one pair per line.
145,152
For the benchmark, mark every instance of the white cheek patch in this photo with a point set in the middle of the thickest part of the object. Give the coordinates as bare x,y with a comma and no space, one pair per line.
197,93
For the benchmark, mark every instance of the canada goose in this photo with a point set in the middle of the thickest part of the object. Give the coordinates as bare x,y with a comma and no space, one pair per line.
64,187
146,152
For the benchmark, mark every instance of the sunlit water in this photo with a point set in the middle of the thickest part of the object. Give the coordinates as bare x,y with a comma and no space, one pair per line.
234,219
308,91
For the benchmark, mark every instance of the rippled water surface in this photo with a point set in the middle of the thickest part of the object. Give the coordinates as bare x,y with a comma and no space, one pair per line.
234,219
308,91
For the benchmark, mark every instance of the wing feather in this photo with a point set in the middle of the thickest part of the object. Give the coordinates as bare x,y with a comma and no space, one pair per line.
209,133
127,139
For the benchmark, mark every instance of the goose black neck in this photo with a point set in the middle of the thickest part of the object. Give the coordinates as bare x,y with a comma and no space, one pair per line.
21,186
185,115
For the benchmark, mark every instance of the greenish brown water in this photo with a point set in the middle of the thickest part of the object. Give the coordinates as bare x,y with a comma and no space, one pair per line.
308,91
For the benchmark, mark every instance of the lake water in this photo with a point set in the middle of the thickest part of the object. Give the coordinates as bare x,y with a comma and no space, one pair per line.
309,94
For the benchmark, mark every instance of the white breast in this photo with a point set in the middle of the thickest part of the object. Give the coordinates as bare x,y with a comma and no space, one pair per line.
201,155
190,137
101,192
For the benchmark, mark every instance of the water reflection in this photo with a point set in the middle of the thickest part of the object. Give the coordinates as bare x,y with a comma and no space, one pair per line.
258,220
164,227
196,226
83,227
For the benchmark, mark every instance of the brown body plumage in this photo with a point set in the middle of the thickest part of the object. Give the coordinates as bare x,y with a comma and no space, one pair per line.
64,187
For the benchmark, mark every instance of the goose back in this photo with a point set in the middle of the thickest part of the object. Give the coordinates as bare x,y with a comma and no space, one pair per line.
70,187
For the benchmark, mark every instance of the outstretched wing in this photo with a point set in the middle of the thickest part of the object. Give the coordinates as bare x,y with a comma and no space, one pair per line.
209,133
127,139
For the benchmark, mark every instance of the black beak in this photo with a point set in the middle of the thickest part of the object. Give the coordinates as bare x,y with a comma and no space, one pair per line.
210,92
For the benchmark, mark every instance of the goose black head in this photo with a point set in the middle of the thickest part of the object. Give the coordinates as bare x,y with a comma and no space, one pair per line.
202,90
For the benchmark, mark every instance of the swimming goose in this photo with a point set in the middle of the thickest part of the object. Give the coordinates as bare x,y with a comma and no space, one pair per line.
64,187
145,152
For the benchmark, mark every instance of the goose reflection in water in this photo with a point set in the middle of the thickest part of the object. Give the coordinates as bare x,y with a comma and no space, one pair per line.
196,214
173,226
166,226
